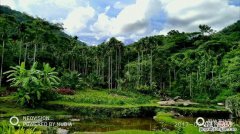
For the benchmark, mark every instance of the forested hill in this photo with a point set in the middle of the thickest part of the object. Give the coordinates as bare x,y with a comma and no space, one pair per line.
203,65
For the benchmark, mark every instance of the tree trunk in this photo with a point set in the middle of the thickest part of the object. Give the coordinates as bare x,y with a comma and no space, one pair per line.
190,85
20,52
69,64
74,65
103,71
1,73
116,67
86,66
212,75
111,77
170,81
120,62
151,68
128,65
205,64
175,77
138,70
35,51
109,73
96,66
25,55
141,68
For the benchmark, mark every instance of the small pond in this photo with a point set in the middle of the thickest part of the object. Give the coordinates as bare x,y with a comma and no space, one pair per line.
102,125
80,124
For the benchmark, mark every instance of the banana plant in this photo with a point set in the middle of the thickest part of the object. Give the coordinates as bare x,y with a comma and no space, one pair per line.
32,83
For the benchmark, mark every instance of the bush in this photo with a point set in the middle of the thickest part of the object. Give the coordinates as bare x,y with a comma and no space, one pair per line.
65,91
146,89
233,104
34,86
223,95
93,80
73,80
70,80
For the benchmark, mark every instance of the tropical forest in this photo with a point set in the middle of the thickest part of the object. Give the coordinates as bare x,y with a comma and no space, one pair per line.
158,84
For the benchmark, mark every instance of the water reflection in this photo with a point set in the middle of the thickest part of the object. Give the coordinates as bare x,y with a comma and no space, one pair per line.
102,125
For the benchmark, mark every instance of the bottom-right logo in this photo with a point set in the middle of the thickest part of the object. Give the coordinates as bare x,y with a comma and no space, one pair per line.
215,125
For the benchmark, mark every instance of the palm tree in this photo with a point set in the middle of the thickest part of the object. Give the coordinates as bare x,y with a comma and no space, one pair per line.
38,32
21,29
3,46
4,38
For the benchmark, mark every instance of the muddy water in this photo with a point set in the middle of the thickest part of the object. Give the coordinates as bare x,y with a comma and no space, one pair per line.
102,125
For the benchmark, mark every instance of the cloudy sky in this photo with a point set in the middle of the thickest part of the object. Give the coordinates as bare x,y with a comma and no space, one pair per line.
95,21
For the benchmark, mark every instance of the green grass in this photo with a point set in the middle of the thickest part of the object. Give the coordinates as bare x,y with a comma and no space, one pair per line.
74,104
7,99
168,119
89,96
6,128
10,110
117,104
9,107
194,108
165,117
93,99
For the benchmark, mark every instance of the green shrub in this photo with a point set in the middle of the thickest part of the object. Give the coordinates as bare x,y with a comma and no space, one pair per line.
70,80
146,89
223,95
74,80
233,104
93,81
34,86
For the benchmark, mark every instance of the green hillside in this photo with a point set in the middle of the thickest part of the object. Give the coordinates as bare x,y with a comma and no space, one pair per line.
45,71
202,65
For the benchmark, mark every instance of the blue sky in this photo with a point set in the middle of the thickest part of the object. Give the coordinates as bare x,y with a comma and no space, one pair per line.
95,21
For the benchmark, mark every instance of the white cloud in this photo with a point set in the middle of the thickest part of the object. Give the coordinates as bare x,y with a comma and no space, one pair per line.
64,3
121,38
186,15
119,5
78,18
26,5
133,18
9,3
133,21
103,24
48,9
107,9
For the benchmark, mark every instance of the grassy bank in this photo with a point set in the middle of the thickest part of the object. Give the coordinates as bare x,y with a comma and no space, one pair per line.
175,125
9,108
123,104
103,103
114,97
